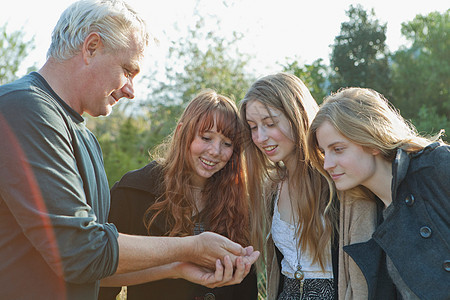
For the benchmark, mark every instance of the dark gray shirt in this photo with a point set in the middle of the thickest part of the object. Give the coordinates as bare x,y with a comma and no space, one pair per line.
54,198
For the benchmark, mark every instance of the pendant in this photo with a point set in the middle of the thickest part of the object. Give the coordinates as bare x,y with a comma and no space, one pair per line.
299,275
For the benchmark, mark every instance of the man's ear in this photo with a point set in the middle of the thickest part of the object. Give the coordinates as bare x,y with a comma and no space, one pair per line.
91,46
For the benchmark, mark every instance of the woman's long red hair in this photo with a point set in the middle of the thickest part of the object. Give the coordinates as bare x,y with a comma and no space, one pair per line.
226,207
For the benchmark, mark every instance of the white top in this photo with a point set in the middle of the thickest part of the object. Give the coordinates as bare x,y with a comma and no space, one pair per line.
283,235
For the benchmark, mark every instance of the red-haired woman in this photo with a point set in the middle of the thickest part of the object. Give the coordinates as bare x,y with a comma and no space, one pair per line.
196,185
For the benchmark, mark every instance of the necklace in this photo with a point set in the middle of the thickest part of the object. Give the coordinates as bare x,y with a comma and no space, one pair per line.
298,274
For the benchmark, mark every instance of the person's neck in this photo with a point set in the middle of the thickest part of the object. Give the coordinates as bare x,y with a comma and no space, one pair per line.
62,78
381,182
197,193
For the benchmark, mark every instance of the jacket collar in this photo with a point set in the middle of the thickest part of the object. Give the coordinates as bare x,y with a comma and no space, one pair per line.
401,163
400,167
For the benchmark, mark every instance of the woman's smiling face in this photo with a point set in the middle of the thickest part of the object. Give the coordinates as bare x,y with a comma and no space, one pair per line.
271,131
209,152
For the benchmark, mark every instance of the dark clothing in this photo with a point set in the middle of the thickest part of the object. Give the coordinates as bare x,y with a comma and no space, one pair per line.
312,289
416,234
54,198
130,198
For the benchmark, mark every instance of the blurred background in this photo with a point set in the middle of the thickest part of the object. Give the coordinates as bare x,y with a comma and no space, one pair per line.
399,48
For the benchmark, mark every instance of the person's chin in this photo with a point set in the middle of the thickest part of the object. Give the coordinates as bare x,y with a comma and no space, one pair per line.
274,158
342,186
103,113
108,110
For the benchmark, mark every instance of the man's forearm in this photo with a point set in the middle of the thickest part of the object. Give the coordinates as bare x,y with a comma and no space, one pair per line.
143,252
142,276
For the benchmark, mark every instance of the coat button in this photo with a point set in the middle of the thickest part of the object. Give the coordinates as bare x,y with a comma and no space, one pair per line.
425,232
447,265
409,200
210,296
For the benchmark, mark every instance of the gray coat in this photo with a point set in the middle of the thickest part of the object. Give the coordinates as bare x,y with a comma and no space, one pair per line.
416,235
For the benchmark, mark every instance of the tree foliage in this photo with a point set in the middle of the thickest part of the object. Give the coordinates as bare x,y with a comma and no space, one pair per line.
124,139
421,73
13,49
360,55
200,60
314,76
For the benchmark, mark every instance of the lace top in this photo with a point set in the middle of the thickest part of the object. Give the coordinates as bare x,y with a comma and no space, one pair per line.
283,235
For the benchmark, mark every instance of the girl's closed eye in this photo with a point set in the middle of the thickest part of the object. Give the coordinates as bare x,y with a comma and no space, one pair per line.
206,138
338,149
271,122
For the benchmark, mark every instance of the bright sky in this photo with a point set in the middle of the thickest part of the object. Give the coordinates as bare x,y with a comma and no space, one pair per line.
273,29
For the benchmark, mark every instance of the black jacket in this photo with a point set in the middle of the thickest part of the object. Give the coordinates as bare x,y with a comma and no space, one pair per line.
416,236
130,198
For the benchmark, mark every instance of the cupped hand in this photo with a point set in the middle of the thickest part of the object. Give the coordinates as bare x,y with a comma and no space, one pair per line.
251,256
201,275
224,274
211,246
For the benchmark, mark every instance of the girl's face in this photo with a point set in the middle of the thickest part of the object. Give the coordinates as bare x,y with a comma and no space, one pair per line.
271,131
348,164
209,153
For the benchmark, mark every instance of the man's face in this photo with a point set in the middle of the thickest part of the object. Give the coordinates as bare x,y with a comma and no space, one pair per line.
111,78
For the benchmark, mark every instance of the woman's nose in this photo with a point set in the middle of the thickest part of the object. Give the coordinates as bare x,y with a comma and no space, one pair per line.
328,163
261,135
214,148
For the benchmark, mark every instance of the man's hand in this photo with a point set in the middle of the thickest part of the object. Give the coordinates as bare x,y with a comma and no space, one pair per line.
224,274
209,246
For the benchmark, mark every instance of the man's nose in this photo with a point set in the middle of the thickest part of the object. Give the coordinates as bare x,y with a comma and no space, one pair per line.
128,90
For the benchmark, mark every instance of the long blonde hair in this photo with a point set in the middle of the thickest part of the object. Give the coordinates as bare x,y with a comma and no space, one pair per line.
226,211
288,94
366,118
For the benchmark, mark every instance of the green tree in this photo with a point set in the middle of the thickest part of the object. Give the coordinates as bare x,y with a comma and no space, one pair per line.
124,141
360,55
421,73
314,76
13,49
199,60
